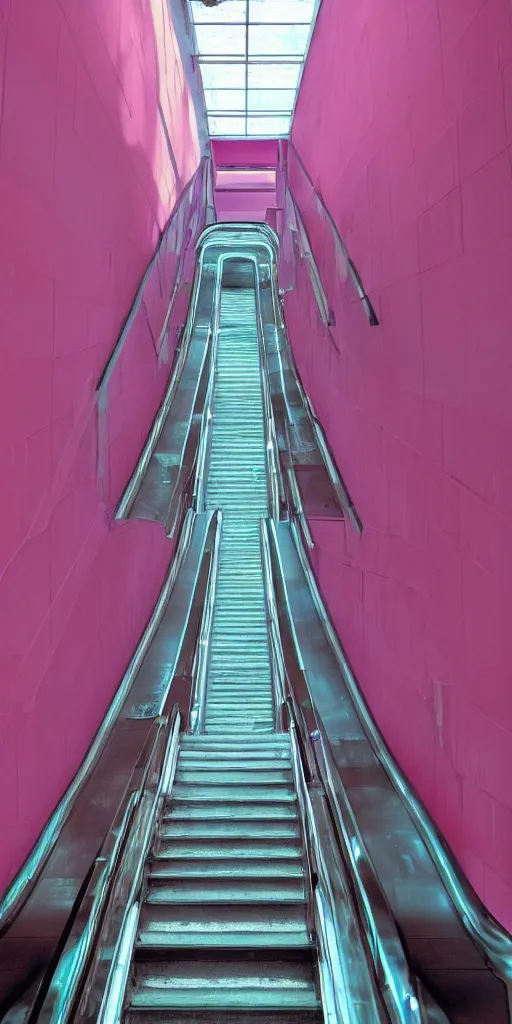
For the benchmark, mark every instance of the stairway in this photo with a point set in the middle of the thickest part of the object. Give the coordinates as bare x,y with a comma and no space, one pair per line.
239,686
223,931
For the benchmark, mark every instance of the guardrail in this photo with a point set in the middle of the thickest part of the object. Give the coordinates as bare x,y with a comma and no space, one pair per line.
25,881
401,997
91,950
491,938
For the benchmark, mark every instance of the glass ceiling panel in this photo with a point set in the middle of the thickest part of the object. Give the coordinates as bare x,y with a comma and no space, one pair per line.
227,126
225,100
235,10
278,39
258,126
279,11
216,75
216,39
255,50
273,76
270,99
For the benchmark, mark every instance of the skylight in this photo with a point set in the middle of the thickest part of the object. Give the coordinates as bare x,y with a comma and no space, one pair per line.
251,54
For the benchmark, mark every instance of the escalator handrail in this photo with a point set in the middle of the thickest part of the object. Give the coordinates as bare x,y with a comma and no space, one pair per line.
401,987
200,667
230,227
491,938
26,879
70,973
306,253
276,653
209,410
348,981
274,478
201,172
133,486
402,995
400,991
212,237
332,470
338,240
337,484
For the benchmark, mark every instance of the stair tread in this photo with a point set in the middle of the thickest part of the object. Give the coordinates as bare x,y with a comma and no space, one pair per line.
141,1016
224,983
234,812
284,829
246,791
226,867
239,847
221,890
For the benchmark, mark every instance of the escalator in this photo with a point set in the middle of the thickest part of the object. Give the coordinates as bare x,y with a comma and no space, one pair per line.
240,845
227,888
223,932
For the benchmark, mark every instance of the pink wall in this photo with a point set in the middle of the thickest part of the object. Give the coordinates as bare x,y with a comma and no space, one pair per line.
87,183
404,122
237,204
244,152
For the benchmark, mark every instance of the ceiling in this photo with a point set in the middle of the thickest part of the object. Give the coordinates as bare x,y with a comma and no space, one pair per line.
251,54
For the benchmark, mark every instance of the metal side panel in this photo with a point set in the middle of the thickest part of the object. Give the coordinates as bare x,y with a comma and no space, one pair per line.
43,894
166,460
439,948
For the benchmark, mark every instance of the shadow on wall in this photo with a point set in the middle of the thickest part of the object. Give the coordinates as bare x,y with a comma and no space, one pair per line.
412,155
97,139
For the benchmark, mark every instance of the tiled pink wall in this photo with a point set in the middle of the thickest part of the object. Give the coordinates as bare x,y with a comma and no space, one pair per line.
87,182
404,122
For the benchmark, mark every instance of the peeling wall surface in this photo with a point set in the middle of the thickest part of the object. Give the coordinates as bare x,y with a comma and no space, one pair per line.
404,125
98,140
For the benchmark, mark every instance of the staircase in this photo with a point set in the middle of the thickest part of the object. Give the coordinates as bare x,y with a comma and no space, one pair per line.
223,931
239,687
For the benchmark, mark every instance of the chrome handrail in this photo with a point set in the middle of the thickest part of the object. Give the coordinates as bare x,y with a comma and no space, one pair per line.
350,991
274,480
275,487
132,488
209,409
202,651
295,495
338,241
333,948
134,821
400,988
114,990
333,472
491,938
276,654
232,227
182,493
112,1004
201,170
306,252
24,882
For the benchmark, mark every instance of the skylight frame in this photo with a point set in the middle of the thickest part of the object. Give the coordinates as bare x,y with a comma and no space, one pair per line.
253,119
